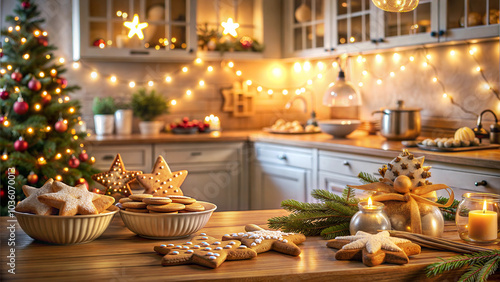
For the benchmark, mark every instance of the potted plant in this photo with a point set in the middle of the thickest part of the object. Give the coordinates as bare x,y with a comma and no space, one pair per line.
104,119
147,107
123,119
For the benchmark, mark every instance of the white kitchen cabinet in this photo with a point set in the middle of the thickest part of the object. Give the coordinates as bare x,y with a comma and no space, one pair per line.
217,172
170,34
135,157
280,173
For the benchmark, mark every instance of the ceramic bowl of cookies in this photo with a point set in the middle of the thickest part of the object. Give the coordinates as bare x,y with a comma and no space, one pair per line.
65,230
169,220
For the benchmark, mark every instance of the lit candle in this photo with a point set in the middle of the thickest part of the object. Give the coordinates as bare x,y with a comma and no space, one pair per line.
483,224
370,218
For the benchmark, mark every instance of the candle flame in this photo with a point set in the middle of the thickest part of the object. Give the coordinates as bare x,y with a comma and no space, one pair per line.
484,206
370,201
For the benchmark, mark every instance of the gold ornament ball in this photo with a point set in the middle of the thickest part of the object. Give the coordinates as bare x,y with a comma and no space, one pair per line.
303,13
402,184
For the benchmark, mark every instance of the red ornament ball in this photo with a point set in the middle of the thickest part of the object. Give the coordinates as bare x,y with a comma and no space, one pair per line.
2,119
25,5
13,171
83,156
46,99
32,178
61,126
82,181
62,81
34,85
17,76
20,145
21,107
73,162
4,94
1,54
100,43
43,40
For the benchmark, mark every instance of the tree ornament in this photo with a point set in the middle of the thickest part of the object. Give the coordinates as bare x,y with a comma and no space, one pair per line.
62,81
34,84
83,156
99,43
73,162
25,5
20,145
4,94
61,126
91,160
46,99
21,107
32,178
43,40
82,181
17,76
1,54
13,171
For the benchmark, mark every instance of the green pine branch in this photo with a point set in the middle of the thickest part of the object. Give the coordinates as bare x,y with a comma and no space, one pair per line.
480,265
448,212
367,178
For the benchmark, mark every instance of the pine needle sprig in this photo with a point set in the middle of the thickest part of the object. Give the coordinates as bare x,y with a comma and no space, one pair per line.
336,230
367,178
448,212
296,206
481,265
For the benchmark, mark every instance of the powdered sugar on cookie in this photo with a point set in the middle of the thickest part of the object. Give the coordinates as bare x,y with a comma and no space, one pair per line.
71,200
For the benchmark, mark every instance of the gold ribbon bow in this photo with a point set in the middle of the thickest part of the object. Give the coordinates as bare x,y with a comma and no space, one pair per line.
414,196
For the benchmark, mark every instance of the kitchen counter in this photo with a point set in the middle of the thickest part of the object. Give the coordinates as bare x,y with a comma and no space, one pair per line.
120,255
359,142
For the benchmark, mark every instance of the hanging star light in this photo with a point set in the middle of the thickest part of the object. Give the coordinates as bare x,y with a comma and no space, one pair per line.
136,27
230,27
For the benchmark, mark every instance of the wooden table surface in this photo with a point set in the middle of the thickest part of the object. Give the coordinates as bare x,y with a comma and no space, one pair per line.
120,255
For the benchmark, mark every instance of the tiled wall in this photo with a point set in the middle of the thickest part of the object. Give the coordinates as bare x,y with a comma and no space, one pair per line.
414,85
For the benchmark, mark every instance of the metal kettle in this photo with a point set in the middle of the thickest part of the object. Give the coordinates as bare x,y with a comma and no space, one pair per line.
400,123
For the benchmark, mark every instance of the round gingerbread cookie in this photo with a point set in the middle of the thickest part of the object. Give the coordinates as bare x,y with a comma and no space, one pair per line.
196,207
139,197
166,208
137,210
134,205
125,200
182,199
157,200
174,212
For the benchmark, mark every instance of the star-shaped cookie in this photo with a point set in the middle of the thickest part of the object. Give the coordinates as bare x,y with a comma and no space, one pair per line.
70,200
262,240
373,249
117,178
203,250
31,204
162,181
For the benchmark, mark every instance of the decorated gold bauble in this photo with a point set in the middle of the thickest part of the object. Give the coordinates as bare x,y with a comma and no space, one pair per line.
397,6
303,13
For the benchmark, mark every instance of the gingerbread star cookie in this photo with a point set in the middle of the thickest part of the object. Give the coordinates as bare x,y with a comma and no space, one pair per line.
117,179
374,249
262,240
203,250
162,181
31,204
70,200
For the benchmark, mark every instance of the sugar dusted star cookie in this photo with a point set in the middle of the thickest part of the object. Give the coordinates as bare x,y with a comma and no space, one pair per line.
116,179
70,200
374,249
203,250
262,240
162,181
31,204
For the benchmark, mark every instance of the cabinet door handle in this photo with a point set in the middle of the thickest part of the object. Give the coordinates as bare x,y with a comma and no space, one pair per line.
346,163
281,157
481,183
434,34
108,158
193,154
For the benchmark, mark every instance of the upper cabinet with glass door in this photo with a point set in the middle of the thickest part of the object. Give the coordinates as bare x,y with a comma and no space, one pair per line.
468,19
134,29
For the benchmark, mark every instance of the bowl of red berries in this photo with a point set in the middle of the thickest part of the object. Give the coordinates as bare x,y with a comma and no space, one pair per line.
187,126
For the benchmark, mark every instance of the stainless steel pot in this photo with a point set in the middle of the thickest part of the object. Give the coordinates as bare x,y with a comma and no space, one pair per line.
400,123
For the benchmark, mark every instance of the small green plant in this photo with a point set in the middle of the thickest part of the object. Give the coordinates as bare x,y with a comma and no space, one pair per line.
104,106
148,106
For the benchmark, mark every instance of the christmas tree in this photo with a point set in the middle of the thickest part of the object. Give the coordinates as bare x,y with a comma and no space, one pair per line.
40,126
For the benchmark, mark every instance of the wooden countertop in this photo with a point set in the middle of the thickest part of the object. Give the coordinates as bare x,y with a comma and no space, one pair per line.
359,142
120,255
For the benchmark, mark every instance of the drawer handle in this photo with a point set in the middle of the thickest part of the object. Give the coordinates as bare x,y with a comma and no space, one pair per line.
481,183
346,163
195,154
108,158
282,157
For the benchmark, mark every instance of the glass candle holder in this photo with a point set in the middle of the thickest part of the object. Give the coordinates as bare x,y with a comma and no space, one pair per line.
370,218
477,218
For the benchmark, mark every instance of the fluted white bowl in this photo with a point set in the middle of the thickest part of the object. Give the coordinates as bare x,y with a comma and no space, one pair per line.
65,230
339,128
167,225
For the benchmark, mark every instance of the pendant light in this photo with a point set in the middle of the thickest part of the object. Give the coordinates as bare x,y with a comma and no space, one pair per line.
397,6
341,94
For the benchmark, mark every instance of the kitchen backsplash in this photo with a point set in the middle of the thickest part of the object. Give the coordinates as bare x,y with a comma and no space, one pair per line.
457,72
